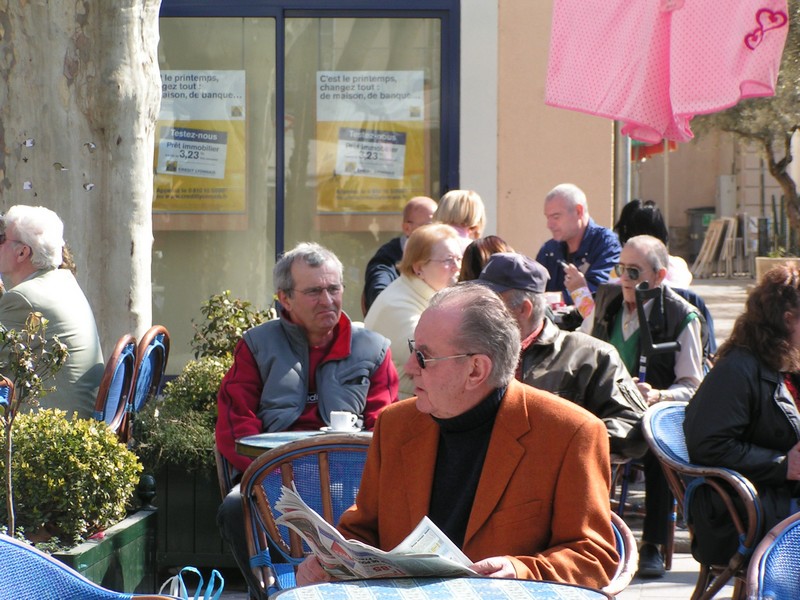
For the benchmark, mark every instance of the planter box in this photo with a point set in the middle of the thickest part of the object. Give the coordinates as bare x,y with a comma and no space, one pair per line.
187,520
124,559
765,263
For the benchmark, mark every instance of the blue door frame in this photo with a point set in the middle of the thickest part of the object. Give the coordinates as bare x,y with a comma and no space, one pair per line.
447,11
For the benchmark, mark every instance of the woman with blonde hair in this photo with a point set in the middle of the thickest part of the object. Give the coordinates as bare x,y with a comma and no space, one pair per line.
463,210
431,261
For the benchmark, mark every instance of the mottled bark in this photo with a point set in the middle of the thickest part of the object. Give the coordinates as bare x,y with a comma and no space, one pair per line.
79,98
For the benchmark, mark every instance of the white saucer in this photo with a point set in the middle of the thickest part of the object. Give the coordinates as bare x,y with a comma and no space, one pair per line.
329,430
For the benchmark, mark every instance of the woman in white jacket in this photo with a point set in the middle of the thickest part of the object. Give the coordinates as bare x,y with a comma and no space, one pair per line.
431,261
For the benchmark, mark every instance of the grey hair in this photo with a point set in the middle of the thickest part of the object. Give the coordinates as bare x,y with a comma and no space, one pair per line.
313,254
653,249
514,299
41,230
486,327
571,194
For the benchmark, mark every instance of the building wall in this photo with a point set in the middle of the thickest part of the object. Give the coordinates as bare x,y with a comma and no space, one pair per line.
538,146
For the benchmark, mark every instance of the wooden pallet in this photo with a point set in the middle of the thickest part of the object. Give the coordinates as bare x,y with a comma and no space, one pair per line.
705,263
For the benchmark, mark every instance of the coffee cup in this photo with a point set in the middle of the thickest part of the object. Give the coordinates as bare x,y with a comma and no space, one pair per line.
341,420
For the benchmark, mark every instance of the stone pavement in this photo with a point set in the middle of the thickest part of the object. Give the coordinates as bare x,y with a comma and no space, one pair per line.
725,299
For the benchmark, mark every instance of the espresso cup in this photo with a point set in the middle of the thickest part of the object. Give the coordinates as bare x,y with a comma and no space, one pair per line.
341,420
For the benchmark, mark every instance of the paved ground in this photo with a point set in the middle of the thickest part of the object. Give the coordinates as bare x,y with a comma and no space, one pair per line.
725,299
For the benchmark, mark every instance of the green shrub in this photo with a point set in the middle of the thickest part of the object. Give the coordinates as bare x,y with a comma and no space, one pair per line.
225,320
72,477
178,429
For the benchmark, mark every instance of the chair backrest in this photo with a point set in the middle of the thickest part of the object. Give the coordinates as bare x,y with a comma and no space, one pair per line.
663,429
774,571
224,472
628,556
325,469
116,384
152,355
25,572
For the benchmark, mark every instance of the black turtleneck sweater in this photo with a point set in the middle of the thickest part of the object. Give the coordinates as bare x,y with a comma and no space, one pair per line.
463,442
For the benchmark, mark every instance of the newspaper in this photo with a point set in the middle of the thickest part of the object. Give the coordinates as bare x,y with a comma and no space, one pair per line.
426,552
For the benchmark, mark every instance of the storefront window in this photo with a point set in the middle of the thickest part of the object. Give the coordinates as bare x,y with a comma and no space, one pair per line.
360,100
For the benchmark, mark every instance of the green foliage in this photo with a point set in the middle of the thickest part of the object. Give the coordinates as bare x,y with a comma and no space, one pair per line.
71,477
178,429
29,360
225,320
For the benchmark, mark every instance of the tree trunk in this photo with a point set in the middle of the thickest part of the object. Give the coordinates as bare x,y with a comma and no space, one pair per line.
79,97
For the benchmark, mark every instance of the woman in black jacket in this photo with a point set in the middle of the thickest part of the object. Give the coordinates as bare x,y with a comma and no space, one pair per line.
744,415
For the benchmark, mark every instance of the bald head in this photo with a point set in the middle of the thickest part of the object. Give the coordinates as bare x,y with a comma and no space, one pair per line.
417,212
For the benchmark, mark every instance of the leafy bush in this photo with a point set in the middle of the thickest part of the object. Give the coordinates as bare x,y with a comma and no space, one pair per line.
178,429
72,477
225,320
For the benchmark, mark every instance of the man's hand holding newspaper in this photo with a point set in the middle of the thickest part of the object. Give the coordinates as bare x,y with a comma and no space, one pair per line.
427,551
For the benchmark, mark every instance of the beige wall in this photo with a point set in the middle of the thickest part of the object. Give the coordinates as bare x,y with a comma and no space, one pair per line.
539,146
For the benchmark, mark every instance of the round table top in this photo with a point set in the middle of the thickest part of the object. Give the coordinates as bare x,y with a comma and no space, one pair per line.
255,445
424,588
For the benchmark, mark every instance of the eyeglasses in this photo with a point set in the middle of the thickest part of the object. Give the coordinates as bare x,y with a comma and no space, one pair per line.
4,239
450,261
315,293
633,272
421,360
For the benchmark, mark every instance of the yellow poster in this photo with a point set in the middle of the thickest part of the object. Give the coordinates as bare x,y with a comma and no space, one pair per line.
200,143
370,142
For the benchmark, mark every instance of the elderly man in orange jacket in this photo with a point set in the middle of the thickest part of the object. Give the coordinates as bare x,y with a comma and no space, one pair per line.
517,477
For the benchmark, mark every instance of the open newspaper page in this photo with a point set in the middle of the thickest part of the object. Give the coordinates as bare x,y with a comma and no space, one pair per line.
427,551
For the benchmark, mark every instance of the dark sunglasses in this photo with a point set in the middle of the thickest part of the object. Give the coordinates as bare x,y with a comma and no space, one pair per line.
633,272
421,360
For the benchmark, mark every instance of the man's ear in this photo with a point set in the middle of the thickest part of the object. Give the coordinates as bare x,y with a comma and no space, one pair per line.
526,310
284,300
480,372
662,273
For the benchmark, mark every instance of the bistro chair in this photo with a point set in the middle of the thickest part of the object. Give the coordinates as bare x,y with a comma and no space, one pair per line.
116,384
774,571
152,354
325,469
628,556
663,430
224,473
25,572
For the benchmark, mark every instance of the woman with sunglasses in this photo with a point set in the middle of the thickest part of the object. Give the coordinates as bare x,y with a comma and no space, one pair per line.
670,376
431,261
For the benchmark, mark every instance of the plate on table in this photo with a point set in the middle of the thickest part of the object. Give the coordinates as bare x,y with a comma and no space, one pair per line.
329,430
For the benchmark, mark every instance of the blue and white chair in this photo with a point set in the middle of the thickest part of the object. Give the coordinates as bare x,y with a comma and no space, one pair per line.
116,385
152,354
326,470
25,572
663,429
628,556
774,571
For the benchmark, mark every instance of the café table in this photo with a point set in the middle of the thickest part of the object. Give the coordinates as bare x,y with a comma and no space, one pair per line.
255,445
433,588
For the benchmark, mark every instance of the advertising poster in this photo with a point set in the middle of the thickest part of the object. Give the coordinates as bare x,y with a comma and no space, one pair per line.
200,143
370,140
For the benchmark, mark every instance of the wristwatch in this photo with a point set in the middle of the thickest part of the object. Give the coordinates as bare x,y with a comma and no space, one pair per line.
662,396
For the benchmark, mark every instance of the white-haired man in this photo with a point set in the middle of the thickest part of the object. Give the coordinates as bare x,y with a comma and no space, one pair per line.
31,245
577,240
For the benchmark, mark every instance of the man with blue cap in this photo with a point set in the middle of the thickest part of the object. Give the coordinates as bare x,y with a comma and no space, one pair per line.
573,365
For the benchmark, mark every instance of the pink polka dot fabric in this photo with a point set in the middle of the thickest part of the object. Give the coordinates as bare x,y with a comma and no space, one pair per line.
654,64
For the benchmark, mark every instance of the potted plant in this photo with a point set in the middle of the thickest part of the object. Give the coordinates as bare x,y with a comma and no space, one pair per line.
65,479
174,437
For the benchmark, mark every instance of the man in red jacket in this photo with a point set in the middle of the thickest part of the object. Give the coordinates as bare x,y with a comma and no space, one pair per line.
292,372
